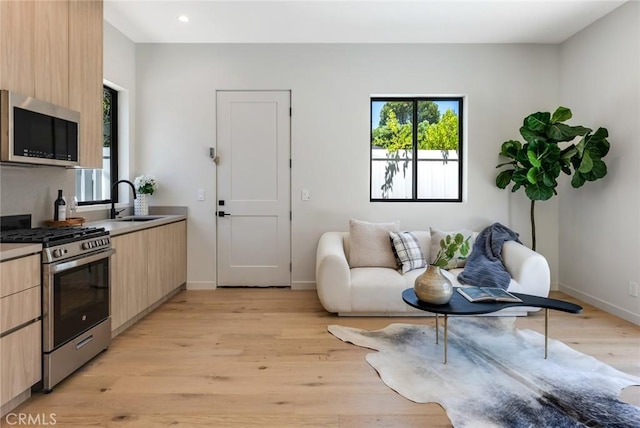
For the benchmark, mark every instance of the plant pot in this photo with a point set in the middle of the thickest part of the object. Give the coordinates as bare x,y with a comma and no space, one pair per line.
433,287
141,204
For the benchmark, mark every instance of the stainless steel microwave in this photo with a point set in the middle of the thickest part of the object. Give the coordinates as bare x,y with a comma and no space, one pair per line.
37,132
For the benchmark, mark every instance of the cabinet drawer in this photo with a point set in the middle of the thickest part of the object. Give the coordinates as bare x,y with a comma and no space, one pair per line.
21,356
19,274
19,308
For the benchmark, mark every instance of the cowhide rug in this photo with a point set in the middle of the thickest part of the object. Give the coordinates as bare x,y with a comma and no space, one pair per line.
496,375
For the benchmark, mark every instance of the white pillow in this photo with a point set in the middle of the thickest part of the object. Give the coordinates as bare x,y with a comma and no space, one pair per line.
458,261
370,244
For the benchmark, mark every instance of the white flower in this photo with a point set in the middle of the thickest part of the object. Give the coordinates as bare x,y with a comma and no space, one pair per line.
145,184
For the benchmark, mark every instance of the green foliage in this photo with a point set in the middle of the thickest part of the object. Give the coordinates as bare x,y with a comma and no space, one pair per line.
394,135
427,112
537,164
442,135
448,248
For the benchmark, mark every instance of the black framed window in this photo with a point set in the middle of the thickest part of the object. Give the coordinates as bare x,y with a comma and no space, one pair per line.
93,186
416,149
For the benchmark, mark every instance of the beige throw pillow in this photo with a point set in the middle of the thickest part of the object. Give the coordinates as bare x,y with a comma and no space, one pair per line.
370,244
458,261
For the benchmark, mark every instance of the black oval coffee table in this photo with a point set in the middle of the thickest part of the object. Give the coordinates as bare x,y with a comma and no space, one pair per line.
458,305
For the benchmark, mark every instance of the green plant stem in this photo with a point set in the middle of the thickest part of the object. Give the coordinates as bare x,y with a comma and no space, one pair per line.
533,225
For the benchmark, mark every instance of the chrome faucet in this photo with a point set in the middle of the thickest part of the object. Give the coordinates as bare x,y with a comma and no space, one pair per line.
113,203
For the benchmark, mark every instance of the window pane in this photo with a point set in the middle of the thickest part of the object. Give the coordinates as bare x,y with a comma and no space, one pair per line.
422,129
437,174
95,184
391,150
438,148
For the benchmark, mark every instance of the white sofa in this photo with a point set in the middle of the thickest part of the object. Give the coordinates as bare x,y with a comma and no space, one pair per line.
376,291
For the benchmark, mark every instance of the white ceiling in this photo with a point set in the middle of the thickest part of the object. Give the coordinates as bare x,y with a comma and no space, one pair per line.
343,21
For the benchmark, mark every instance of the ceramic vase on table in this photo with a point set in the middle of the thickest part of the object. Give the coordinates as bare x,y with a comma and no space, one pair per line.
141,204
433,287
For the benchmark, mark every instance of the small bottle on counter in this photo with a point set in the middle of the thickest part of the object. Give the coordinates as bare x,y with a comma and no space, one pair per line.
60,208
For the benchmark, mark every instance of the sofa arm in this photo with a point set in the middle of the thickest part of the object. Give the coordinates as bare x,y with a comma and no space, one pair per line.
333,276
528,268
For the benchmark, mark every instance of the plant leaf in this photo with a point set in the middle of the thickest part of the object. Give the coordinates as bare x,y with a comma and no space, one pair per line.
537,121
538,192
532,175
587,164
503,179
533,158
561,114
510,149
577,180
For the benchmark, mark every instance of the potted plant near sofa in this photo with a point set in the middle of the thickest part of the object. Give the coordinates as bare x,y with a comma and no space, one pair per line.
536,165
432,286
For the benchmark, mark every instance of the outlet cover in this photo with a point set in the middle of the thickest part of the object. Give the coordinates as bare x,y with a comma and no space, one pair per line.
633,289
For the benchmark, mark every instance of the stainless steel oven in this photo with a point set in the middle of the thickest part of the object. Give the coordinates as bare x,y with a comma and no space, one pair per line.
75,313
76,325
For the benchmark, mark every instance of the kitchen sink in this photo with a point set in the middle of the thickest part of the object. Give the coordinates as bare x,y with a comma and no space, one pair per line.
139,218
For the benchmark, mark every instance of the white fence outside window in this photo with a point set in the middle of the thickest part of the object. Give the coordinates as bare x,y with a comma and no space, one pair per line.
437,178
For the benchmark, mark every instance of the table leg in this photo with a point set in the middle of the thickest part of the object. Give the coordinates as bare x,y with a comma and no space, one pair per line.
437,334
445,338
546,331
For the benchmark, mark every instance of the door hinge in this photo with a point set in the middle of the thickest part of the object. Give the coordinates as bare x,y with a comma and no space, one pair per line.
290,215
290,267
290,163
290,111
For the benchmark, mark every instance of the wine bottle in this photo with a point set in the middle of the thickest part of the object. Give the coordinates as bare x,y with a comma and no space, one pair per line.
60,208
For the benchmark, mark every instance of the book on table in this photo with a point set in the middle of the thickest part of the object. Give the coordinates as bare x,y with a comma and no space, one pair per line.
487,294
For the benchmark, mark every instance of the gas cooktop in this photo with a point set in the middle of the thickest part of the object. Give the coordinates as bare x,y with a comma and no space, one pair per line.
16,229
51,236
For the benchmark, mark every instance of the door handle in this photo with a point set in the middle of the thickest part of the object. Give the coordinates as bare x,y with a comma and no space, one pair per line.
222,214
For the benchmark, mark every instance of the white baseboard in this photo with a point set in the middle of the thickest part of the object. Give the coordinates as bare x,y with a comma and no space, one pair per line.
201,285
601,304
303,285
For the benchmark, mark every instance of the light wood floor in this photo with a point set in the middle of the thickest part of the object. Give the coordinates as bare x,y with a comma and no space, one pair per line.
263,357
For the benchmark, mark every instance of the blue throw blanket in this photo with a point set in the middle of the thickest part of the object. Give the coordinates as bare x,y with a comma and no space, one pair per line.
484,266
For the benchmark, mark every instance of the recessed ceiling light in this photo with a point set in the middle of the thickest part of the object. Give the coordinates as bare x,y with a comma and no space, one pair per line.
183,18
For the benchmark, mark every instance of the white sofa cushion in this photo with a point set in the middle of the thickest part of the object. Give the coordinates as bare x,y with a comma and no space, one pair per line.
371,245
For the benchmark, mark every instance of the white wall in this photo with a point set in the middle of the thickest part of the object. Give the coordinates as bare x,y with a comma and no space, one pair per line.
600,222
331,86
120,73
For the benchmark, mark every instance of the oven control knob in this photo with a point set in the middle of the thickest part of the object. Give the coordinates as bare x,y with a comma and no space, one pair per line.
86,246
57,253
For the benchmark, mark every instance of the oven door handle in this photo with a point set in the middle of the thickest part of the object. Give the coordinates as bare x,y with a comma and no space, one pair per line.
58,267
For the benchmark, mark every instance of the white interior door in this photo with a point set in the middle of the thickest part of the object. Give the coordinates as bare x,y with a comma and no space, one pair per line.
253,179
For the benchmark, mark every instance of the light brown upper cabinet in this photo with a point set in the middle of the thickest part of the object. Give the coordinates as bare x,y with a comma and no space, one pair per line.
85,77
52,50
17,67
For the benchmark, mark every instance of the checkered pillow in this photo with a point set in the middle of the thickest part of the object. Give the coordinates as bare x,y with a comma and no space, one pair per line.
407,250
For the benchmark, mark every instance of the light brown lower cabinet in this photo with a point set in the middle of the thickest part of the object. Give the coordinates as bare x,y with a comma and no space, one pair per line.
148,265
20,330
21,356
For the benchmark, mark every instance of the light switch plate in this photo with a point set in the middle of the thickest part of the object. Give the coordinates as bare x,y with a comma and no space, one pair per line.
201,194
305,195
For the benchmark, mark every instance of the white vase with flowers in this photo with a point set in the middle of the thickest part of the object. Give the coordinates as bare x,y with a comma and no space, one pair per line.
145,186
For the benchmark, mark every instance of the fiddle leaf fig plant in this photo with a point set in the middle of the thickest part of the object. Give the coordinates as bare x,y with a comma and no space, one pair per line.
536,164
